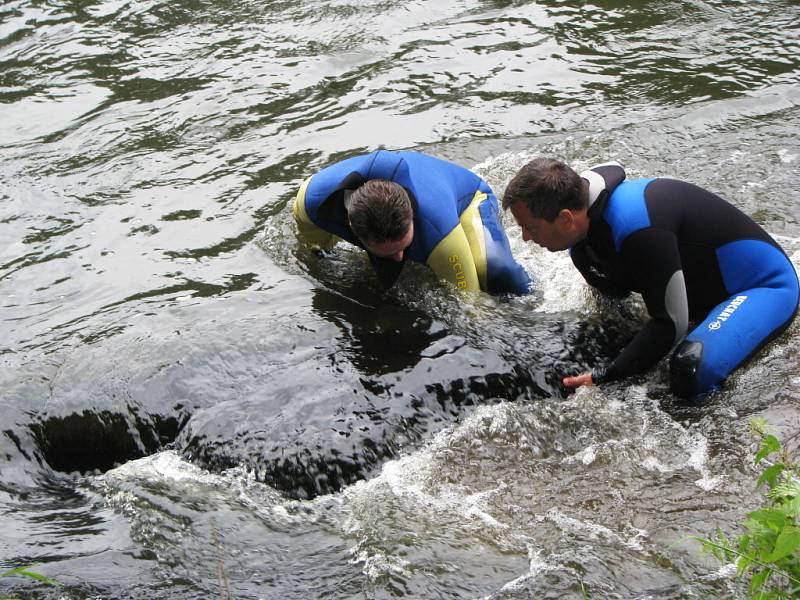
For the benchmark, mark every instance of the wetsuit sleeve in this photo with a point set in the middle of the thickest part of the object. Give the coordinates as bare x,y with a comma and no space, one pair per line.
452,260
476,255
306,229
652,254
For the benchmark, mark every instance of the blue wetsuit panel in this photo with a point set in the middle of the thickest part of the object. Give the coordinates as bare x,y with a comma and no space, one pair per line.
627,210
748,263
441,191
503,273
386,165
741,324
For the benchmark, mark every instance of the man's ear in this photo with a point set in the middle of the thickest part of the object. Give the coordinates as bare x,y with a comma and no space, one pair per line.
566,217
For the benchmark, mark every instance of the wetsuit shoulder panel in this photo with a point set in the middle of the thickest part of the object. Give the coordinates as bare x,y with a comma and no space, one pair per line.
329,180
443,190
626,211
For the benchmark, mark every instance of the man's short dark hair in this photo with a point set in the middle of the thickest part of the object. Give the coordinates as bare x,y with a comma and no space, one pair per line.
546,186
379,211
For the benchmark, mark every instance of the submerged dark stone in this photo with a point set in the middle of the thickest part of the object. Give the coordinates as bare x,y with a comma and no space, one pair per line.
304,459
99,441
296,403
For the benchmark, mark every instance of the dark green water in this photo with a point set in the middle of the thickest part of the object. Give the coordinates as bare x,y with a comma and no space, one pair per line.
193,406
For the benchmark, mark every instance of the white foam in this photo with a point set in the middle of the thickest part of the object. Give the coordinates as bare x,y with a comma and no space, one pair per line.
415,476
588,455
596,531
563,288
651,463
726,571
696,445
698,460
163,465
170,466
378,564
537,565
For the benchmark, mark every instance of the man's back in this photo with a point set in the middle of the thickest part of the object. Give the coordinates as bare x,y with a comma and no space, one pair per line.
719,249
456,226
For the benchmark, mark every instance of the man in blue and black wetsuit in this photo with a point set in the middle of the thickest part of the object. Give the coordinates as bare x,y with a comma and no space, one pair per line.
402,206
694,257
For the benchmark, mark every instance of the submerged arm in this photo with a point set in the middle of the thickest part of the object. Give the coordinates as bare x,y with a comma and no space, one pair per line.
307,230
652,256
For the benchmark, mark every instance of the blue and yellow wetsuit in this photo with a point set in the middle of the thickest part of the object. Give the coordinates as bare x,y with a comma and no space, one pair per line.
457,228
695,258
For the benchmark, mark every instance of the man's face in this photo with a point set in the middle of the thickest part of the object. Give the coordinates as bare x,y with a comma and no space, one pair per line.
554,236
394,249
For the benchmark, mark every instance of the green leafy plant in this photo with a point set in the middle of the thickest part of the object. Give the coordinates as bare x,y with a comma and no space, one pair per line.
768,554
26,572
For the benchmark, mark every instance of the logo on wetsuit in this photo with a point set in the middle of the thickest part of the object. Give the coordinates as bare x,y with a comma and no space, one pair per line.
727,312
461,278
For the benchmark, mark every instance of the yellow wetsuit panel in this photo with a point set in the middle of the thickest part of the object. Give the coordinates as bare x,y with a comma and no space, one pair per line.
306,229
473,228
451,260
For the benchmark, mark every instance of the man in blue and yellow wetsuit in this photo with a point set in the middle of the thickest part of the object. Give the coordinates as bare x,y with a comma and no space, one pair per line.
402,206
694,257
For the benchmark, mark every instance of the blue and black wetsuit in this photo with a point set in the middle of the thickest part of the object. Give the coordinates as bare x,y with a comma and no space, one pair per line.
696,259
457,227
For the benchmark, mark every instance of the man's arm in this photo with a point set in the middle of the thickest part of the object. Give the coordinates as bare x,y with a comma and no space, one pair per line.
306,229
452,260
652,256
476,255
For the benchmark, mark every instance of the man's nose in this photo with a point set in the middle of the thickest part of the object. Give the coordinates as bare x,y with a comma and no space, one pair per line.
526,237
398,256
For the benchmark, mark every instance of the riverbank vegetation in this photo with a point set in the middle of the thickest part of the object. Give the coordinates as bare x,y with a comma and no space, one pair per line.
767,555
26,572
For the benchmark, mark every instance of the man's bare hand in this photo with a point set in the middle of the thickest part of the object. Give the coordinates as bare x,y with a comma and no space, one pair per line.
578,380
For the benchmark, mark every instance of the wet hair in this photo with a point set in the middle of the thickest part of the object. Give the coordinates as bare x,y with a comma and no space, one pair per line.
379,211
546,186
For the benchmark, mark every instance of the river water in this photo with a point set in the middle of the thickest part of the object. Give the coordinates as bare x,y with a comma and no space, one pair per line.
192,405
